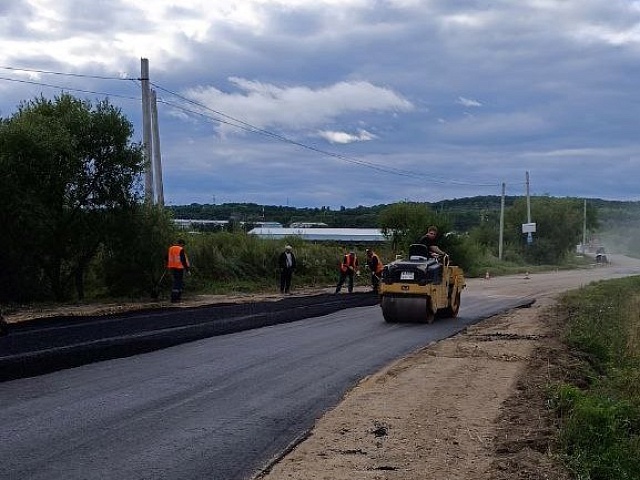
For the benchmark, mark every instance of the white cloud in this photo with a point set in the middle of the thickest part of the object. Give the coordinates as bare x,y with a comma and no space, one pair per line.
267,105
344,137
468,102
610,35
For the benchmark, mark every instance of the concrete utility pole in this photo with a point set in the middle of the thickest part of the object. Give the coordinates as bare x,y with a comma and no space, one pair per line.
146,131
500,241
529,234
584,227
157,157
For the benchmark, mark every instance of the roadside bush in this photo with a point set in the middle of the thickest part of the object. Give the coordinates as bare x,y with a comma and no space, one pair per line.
600,423
133,259
601,438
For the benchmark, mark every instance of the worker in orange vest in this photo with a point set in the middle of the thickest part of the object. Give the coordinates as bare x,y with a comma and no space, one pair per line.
375,267
178,264
348,268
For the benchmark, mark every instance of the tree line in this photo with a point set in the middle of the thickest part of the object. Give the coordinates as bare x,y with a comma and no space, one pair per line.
75,226
464,213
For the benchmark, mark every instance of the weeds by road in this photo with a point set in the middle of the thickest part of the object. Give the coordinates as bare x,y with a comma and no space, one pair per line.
599,409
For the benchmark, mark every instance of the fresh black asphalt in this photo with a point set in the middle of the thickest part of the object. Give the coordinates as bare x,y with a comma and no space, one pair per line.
44,345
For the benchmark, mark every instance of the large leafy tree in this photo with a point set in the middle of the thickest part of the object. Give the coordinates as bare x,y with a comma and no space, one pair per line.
404,222
66,166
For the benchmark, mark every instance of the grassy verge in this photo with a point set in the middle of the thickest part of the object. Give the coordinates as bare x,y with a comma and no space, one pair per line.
491,264
600,414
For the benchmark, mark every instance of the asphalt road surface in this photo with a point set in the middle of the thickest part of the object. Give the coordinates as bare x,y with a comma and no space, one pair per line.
47,344
224,407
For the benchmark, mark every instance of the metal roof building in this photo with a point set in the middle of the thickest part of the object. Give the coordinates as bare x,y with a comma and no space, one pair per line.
353,235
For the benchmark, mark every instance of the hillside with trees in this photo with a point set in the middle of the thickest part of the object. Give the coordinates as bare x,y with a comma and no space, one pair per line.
465,213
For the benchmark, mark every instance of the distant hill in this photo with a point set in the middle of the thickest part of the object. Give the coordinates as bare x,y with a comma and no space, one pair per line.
619,220
465,212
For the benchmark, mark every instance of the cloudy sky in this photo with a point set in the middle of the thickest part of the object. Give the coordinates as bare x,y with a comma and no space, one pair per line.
335,103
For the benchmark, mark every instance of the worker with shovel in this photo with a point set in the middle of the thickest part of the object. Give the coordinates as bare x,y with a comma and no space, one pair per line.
178,264
375,267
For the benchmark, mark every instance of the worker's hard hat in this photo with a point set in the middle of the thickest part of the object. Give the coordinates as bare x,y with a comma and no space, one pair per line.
288,247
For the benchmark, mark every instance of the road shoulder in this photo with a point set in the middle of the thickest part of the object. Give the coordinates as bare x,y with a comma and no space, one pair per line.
469,407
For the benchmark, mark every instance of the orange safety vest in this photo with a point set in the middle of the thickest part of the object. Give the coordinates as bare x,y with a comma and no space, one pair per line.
348,261
379,266
173,260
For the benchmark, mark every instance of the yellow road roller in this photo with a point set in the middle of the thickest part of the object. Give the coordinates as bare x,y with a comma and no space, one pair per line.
419,288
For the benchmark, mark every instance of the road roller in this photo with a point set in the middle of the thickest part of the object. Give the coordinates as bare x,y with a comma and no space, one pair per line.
420,287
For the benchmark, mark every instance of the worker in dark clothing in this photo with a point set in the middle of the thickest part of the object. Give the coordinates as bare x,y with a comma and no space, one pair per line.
375,267
348,269
178,264
287,264
4,326
429,240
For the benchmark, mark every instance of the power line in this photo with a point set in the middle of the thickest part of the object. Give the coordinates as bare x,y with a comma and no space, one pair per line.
231,121
67,74
252,128
71,89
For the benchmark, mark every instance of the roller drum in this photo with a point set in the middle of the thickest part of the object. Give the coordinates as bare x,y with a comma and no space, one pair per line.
406,309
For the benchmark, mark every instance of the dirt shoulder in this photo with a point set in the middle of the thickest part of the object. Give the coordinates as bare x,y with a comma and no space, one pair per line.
469,407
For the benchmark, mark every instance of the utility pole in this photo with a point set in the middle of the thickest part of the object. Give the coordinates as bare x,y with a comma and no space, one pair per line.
584,227
157,157
146,131
529,234
500,241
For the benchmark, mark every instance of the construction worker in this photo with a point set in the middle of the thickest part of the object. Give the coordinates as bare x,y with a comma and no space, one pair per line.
348,268
375,267
178,264
4,326
429,240
287,264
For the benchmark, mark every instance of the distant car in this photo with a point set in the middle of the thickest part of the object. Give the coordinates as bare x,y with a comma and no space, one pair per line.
601,257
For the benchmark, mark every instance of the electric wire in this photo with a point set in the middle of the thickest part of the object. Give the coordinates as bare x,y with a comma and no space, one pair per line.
229,120
69,89
66,74
252,128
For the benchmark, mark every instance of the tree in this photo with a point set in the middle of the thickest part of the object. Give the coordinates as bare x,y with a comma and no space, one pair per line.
559,226
403,221
66,167
144,233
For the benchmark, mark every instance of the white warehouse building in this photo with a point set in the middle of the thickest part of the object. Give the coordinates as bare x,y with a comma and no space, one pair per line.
355,235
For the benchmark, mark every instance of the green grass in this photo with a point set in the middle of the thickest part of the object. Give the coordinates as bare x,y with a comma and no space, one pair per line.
600,421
